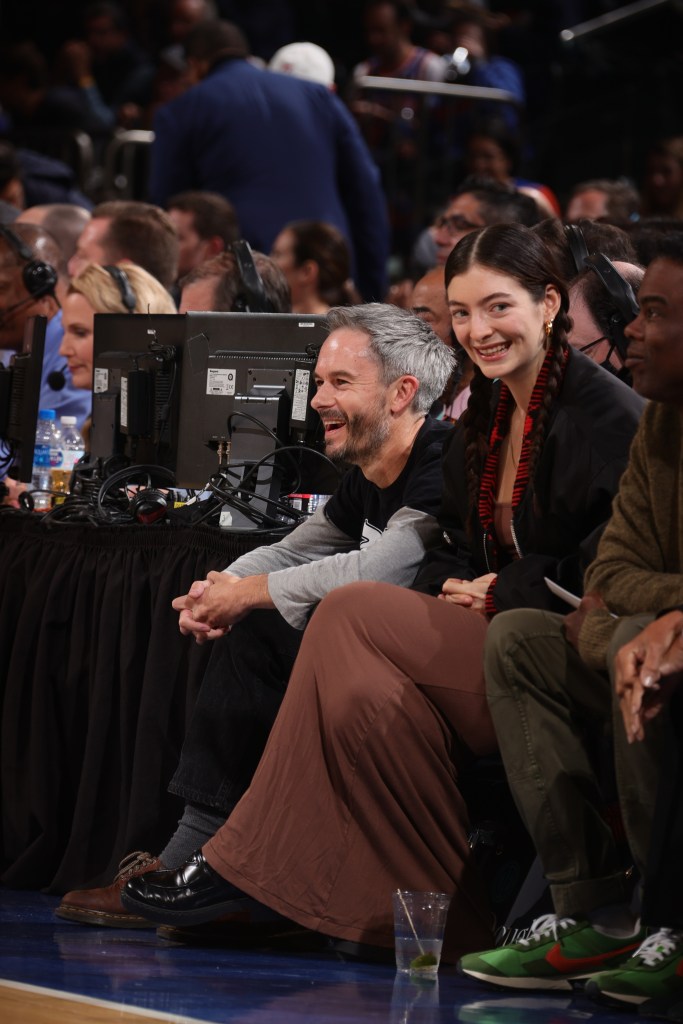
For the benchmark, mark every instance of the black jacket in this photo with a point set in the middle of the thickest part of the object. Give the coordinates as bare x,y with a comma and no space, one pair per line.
558,522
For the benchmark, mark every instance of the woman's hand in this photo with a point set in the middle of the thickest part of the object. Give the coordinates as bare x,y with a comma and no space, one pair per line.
468,593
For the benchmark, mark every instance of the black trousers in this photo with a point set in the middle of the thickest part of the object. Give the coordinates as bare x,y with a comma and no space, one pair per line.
238,701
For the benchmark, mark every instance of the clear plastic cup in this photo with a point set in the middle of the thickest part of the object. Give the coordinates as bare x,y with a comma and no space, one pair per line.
419,922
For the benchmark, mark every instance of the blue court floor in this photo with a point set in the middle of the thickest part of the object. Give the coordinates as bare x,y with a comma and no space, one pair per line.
281,983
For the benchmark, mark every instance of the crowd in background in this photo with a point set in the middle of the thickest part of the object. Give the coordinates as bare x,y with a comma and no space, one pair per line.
576,113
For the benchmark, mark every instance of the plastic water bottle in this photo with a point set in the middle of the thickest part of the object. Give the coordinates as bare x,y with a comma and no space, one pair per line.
64,458
41,478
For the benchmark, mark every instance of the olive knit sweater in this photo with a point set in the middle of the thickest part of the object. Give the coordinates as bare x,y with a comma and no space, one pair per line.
639,564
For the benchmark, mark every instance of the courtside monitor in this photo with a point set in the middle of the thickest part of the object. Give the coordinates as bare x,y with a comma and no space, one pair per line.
137,361
247,379
19,402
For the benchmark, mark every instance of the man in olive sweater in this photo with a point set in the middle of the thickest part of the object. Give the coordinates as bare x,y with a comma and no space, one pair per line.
548,682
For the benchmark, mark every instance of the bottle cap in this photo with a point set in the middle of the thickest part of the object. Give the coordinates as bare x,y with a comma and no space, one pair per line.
47,414
68,421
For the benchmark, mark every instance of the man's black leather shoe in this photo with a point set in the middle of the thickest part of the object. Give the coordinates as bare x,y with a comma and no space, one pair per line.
193,894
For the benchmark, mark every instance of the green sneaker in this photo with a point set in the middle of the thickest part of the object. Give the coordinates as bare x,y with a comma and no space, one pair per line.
655,969
557,951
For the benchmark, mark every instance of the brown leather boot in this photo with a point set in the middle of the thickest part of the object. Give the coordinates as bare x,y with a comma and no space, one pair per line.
103,907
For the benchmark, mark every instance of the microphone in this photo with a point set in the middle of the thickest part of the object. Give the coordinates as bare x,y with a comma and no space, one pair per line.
56,379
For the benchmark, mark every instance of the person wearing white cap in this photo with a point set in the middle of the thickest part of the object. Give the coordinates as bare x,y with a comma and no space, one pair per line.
304,60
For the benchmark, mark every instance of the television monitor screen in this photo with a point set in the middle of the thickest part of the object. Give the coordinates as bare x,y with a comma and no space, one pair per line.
137,360
20,400
212,395
245,378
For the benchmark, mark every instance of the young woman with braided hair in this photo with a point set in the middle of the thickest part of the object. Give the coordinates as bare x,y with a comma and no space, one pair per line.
357,791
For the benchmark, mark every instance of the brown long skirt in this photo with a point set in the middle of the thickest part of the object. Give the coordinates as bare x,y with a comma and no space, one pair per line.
356,793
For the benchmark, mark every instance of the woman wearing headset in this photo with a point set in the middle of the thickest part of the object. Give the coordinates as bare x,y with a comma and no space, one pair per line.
125,288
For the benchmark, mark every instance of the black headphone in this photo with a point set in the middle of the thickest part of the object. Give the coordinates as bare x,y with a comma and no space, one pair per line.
39,277
148,505
622,295
252,298
128,296
577,245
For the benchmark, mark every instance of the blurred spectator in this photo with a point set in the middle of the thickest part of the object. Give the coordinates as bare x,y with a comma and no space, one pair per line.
477,203
206,224
304,60
129,230
121,69
470,61
429,302
30,102
217,285
647,234
29,179
183,15
314,257
602,199
662,189
388,25
494,151
65,222
23,296
277,147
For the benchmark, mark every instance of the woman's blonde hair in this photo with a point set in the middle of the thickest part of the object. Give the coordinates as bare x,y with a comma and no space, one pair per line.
101,288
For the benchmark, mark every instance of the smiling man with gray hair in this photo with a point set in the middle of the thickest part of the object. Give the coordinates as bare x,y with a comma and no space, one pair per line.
378,372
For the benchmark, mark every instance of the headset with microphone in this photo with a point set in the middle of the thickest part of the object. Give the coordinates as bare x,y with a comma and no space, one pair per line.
621,293
39,278
57,379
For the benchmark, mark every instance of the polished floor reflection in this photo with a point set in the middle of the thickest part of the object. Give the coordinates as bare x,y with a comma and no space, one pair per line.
283,982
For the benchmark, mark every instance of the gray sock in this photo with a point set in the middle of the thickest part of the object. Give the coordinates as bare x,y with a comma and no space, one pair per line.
196,827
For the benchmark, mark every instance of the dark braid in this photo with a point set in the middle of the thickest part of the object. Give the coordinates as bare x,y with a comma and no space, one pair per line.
561,327
476,421
516,251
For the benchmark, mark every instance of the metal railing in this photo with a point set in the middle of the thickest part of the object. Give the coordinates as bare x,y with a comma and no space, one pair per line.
610,20
125,164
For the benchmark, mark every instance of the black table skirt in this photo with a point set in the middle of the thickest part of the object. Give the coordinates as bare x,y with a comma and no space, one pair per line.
96,688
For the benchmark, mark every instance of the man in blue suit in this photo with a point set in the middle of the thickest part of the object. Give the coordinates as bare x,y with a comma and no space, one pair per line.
278,147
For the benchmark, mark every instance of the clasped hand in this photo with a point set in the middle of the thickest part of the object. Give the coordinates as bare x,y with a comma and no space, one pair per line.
210,607
647,670
468,593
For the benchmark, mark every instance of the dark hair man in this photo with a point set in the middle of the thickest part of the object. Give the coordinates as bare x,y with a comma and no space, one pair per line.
615,201
477,203
129,230
19,246
217,285
206,224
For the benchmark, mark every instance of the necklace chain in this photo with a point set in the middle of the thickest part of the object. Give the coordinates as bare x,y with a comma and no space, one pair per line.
515,462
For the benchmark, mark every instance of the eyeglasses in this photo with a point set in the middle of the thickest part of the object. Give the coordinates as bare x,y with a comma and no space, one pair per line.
455,223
